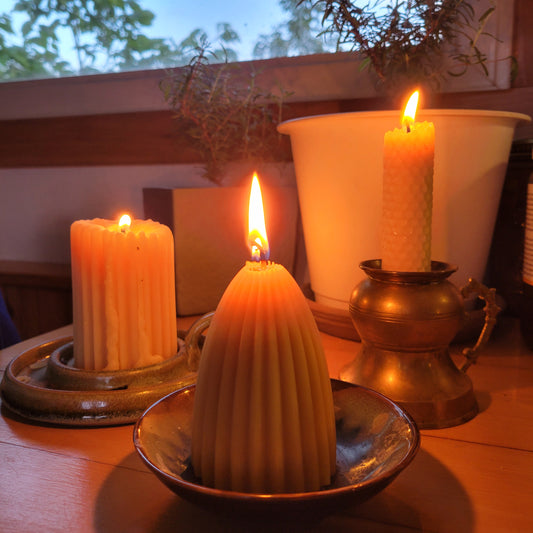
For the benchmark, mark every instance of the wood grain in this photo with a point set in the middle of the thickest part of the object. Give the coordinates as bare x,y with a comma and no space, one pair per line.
477,477
153,137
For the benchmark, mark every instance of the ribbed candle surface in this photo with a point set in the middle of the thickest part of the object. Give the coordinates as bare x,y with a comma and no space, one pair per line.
408,198
263,418
123,294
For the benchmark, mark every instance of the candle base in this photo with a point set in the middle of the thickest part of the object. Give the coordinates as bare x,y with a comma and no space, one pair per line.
41,385
406,321
63,375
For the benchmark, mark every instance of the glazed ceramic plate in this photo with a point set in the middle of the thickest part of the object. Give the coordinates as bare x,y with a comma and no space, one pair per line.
376,440
40,385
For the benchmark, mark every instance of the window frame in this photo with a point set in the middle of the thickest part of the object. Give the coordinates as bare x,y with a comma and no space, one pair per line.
318,77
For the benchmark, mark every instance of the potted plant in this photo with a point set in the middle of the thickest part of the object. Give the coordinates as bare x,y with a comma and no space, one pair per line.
338,157
225,116
408,44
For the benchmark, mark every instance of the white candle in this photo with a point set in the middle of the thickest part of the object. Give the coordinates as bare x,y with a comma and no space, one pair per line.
123,294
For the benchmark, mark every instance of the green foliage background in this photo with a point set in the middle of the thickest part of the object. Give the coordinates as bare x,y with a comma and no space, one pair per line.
401,41
110,36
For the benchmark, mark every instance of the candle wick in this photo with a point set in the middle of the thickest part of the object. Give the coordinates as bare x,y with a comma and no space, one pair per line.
408,127
259,247
262,255
259,254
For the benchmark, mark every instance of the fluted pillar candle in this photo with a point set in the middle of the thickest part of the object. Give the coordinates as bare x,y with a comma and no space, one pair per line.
123,294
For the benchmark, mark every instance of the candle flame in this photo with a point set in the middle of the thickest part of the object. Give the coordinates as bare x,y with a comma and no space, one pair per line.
124,223
410,111
257,236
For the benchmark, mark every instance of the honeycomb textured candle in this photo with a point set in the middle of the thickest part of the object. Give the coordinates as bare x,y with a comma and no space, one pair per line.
407,198
123,294
263,418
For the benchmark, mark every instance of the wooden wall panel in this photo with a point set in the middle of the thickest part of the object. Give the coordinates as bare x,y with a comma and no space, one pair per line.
38,295
523,42
152,137
126,138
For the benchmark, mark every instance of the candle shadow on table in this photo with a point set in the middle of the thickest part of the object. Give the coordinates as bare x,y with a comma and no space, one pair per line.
425,496
132,499
484,399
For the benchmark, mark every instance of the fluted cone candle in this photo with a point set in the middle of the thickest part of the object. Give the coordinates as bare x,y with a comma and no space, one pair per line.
263,418
408,155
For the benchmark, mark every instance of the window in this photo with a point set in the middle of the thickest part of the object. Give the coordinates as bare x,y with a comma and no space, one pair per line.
51,38
309,77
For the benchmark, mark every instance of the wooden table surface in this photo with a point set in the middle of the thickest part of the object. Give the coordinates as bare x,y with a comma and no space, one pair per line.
473,477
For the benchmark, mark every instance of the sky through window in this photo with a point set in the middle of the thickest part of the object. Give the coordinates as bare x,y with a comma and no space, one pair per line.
40,38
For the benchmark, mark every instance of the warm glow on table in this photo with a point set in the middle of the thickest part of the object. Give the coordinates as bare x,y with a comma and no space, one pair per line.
263,417
408,155
123,293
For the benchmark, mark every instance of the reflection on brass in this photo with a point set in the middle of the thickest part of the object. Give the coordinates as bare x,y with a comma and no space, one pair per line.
406,321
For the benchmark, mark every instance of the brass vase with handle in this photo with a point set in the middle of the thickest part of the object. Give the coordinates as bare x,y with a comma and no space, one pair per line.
406,322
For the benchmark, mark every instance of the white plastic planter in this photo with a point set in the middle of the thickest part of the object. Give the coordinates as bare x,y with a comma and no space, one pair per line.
338,165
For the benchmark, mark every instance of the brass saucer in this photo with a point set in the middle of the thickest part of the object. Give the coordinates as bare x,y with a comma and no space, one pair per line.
41,385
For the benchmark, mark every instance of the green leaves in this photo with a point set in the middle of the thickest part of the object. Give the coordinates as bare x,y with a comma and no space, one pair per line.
407,42
295,36
107,36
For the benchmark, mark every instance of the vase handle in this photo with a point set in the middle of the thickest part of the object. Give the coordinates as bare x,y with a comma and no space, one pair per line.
192,340
491,312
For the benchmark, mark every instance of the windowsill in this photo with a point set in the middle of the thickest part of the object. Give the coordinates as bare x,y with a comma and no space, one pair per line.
309,78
